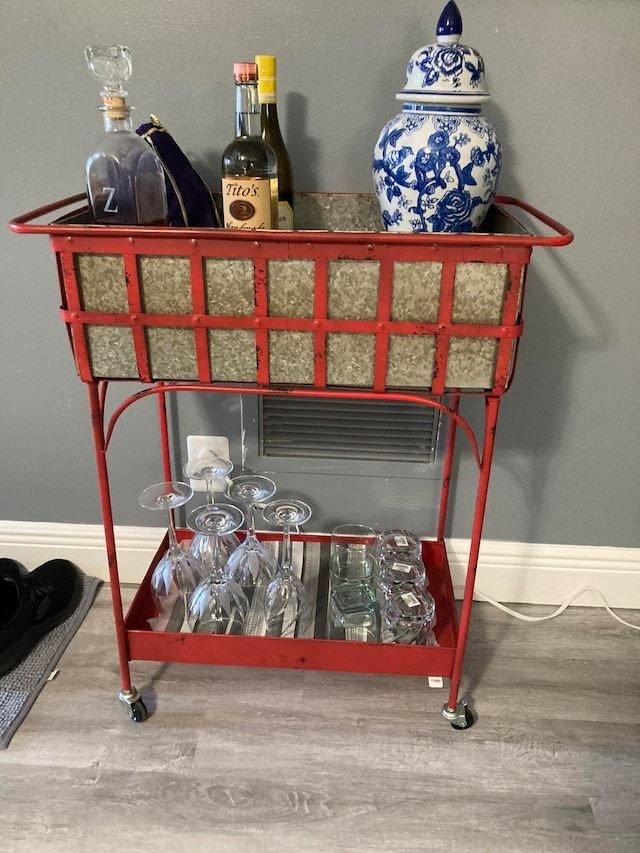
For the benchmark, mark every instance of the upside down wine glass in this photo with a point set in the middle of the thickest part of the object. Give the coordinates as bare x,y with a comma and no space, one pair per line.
176,575
217,605
253,562
286,596
209,467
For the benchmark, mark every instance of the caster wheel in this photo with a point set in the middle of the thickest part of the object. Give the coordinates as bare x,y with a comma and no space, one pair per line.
138,711
466,723
459,717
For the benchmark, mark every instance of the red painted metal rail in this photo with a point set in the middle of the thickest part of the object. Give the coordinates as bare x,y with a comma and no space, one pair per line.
25,224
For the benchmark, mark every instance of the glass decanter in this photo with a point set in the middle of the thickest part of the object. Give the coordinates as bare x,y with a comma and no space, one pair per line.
125,179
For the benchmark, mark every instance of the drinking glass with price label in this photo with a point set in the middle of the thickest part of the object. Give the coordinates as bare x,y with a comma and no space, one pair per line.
409,616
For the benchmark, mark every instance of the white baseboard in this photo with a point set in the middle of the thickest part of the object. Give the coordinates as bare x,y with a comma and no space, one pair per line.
514,572
32,542
527,573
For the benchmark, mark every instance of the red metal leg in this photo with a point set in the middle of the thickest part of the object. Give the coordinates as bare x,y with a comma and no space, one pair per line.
96,399
164,433
447,469
492,405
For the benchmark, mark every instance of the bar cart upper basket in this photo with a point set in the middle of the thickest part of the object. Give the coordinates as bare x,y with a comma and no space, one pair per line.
337,303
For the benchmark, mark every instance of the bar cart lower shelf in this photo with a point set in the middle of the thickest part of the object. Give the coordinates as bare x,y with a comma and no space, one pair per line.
309,652
314,652
336,309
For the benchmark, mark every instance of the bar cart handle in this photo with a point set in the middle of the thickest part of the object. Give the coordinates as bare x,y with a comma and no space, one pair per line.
564,235
22,224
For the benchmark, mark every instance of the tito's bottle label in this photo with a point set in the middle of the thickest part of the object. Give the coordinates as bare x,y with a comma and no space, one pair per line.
247,202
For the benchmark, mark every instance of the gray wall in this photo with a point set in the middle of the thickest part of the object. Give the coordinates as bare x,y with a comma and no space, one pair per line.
564,80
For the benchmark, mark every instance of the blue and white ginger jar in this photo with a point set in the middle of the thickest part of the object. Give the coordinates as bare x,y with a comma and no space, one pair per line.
436,165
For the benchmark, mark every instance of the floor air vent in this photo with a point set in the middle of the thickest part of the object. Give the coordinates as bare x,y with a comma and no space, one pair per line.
348,429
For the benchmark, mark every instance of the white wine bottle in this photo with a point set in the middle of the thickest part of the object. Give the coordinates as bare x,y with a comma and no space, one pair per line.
271,133
249,164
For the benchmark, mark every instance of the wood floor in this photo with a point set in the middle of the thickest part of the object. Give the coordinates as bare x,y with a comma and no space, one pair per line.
275,761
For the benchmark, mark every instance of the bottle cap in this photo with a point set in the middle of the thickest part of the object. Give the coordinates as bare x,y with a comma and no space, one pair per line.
266,78
244,72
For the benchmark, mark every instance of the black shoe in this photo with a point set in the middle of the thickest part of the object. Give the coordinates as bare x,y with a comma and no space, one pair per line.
33,604
11,567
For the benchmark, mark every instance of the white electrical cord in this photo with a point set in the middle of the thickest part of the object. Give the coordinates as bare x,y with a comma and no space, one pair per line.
559,610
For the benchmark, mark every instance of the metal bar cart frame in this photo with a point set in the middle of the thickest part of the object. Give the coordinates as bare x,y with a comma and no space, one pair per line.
71,238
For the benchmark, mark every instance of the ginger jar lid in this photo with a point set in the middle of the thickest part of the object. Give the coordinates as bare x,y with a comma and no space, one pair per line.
446,72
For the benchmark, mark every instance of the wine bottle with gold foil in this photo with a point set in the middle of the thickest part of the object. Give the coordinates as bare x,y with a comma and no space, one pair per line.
272,134
249,164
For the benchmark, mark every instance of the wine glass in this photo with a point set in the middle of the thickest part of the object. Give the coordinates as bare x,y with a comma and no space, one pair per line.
217,605
253,562
176,574
286,597
209,467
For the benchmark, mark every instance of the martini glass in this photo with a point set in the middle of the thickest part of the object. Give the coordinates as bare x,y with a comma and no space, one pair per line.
209,467
286,597
176,575
253,562
217,605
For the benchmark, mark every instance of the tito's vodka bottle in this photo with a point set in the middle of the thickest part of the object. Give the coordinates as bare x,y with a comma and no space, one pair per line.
125,178
271,133
249,165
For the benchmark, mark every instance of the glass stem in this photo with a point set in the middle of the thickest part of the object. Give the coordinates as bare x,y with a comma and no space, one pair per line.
251,519
285,559
211,495
173,541
185,603
217,559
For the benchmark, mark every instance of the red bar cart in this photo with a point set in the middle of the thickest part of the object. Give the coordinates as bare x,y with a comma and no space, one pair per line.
337,309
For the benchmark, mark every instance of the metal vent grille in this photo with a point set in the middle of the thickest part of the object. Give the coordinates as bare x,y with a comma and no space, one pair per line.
315,428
